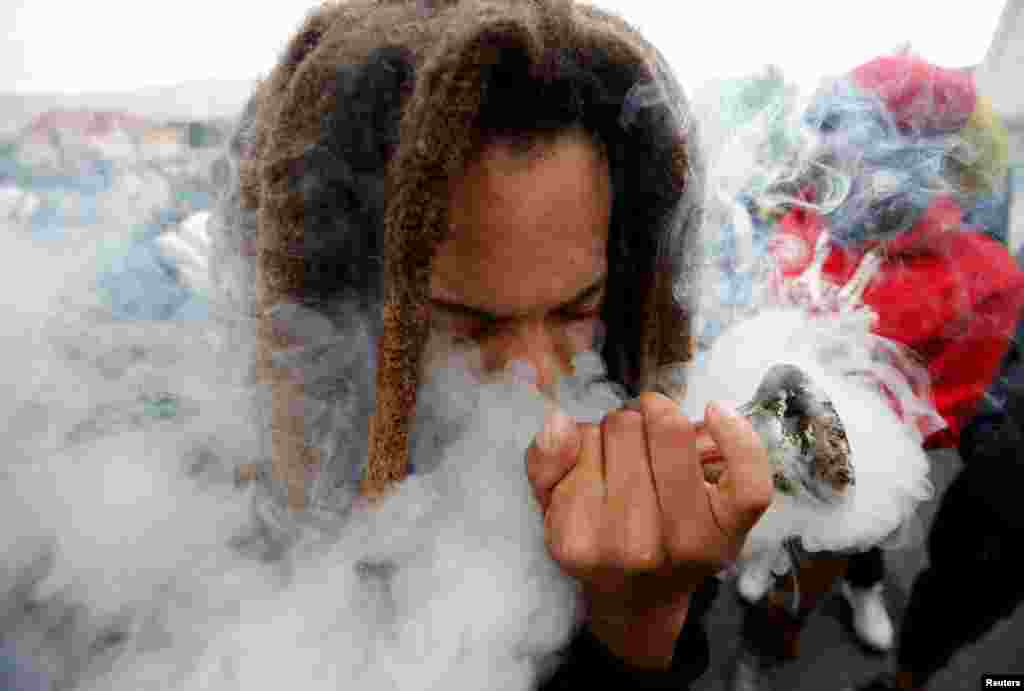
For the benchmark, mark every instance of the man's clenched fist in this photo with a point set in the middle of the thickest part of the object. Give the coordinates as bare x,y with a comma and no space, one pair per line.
627,511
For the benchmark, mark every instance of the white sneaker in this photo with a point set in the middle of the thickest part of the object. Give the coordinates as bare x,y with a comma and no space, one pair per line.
754,582
871,620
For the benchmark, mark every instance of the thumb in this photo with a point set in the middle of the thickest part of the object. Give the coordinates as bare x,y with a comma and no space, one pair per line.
552,454
745,489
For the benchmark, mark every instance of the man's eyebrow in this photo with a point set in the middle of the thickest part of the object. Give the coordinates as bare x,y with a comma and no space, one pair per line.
483,315
464,310
586,294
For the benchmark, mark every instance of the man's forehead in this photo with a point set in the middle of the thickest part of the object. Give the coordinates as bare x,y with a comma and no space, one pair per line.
526,235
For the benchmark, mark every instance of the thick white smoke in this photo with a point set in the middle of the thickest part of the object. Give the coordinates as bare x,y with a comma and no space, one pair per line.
134,561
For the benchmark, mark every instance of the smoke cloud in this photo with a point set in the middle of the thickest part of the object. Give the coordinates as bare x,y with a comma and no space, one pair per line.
135,560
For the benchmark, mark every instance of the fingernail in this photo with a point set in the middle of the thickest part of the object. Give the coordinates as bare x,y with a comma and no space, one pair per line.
556,429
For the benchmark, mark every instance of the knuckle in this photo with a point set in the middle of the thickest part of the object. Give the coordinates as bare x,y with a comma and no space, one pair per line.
680,551
575,551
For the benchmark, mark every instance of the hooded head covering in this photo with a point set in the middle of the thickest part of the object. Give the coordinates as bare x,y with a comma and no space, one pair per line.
345,158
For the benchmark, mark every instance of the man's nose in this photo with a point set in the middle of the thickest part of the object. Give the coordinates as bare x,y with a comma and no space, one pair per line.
533,353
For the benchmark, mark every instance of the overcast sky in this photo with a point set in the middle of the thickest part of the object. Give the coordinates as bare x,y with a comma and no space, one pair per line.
114,45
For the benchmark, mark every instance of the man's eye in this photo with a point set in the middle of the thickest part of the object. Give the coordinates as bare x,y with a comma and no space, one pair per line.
472,331
484,330
579,315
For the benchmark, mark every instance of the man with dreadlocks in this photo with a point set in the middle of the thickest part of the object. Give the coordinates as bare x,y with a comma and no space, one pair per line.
521,177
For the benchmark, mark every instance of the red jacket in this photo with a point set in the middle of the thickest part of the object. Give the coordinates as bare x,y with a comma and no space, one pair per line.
953,296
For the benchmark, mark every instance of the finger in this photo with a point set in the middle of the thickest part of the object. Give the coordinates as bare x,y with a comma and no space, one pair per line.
552,454
574,521
745,489
633,515
686,520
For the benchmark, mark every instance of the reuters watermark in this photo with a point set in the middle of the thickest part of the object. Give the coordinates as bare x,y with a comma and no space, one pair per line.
1002,681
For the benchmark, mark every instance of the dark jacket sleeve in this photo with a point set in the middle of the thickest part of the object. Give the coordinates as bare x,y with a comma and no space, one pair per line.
588,664
992,445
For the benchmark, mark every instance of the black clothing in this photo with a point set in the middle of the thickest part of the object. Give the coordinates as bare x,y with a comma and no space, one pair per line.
973,579
590,665
973,582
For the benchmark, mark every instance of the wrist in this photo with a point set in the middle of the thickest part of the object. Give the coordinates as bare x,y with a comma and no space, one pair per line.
644,638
